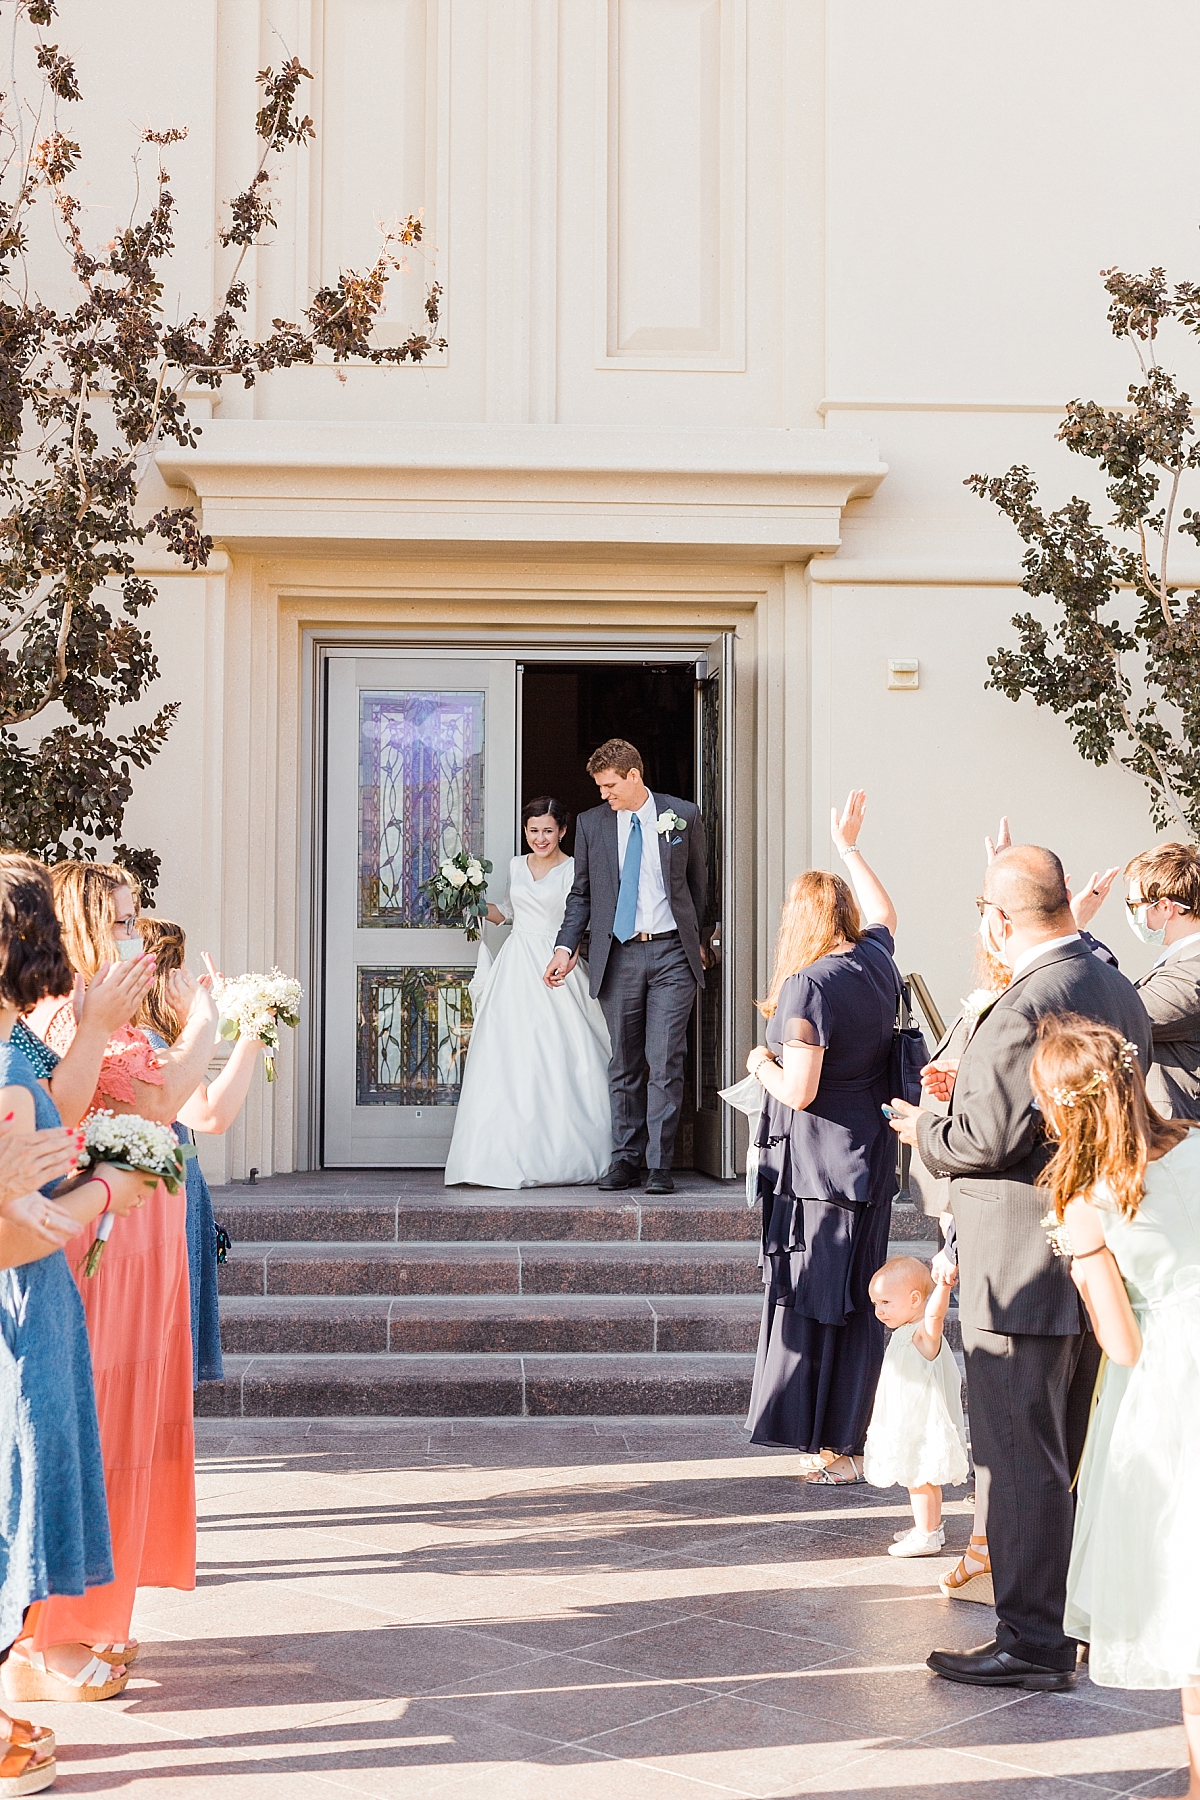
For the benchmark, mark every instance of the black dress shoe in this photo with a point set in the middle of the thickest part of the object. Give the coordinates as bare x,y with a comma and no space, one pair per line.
621,1175
660,1182
989,1667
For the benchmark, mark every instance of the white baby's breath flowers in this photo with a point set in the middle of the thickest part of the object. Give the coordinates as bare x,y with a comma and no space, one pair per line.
127,1141
977,1002
255,1006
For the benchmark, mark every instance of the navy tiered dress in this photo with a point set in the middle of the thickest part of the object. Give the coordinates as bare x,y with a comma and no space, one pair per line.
827,1176
53,1515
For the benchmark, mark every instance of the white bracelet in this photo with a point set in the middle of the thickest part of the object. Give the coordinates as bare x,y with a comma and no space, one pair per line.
852,850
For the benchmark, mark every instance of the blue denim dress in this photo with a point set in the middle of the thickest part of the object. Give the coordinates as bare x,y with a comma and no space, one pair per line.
53,1514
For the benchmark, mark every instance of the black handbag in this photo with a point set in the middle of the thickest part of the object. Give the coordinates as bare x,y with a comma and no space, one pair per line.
910,1053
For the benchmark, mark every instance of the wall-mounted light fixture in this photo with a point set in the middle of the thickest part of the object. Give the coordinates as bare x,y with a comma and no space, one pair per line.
904,672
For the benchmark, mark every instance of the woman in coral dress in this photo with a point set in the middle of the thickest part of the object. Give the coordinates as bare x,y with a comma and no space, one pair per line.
138,1306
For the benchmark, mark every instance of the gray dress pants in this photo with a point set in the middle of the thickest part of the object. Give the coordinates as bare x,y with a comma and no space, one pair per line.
647,997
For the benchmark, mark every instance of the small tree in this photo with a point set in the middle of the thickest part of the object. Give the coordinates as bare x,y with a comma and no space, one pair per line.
1130,691
87,392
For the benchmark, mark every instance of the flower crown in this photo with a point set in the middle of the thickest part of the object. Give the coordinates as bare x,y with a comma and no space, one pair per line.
1099,1078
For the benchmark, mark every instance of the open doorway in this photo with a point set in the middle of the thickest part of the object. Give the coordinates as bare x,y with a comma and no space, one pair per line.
567,711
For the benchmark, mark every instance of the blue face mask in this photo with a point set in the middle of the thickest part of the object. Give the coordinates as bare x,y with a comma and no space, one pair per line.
1136,916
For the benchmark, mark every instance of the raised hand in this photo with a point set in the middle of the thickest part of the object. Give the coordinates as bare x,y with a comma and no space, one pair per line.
844,828
1003,841
1087,904
190,995
115,994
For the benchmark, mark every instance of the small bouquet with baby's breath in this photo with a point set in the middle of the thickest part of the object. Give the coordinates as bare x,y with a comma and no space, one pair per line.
126,1141
255,1006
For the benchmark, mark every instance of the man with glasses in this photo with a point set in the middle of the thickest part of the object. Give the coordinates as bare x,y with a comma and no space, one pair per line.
1031,1361
1163,907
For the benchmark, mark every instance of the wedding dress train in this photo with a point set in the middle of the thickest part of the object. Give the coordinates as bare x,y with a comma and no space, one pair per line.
533,1110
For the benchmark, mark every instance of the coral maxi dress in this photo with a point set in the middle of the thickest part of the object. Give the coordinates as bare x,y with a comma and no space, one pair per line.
139,1324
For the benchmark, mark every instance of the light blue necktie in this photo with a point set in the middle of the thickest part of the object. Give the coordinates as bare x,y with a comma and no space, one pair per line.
626,915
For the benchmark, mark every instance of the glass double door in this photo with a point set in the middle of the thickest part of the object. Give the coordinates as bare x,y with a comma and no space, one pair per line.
420,763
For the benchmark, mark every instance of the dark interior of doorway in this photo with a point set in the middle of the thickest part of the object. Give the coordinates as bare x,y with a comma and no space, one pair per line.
568,710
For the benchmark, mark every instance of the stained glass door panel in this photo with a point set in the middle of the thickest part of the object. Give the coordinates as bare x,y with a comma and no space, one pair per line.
420,764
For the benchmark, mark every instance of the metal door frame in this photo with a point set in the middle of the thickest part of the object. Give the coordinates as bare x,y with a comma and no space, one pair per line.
581,644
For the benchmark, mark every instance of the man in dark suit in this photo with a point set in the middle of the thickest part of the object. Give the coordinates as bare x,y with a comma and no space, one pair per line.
641,879
1031,1361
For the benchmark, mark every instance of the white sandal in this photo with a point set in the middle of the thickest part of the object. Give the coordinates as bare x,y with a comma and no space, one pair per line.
118,1654
27,1678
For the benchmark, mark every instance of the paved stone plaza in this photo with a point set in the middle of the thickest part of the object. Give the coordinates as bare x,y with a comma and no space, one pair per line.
630,1609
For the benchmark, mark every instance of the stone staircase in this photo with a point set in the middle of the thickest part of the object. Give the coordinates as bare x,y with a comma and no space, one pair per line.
380,1293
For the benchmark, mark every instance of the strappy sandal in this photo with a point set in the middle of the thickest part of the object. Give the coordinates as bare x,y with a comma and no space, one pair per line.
27,1678
963,1583
118,1654
28,1764
826,1478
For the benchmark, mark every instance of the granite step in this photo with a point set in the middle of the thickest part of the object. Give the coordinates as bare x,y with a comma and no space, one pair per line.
454,1324
483,1386
378,1269
557,1214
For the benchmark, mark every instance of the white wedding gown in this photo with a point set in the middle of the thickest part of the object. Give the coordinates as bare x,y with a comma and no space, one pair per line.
533,1110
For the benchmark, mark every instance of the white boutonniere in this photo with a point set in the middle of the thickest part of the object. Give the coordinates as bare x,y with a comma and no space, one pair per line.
670,821
974,1007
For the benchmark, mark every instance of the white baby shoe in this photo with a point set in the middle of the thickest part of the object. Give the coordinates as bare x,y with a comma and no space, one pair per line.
918,1543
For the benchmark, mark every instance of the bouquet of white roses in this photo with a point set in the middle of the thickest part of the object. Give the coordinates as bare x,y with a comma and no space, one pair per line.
458,892
128,1142
255,1006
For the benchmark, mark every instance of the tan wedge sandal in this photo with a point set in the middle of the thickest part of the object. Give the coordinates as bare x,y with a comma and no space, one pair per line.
28,1763
27,1678
118,1654
965,1583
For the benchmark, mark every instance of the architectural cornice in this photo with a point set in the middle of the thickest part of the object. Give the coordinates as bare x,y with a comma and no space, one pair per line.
271,485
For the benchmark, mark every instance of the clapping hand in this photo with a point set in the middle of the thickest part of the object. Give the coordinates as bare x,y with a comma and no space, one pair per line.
114,995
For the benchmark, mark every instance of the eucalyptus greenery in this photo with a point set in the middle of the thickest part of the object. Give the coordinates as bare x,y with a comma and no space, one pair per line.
88,391
1127,678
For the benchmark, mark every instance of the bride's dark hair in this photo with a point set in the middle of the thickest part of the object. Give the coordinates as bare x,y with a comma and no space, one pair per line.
545,803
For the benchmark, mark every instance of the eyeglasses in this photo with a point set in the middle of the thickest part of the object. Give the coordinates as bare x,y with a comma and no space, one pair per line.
127,928
982,903
1133,905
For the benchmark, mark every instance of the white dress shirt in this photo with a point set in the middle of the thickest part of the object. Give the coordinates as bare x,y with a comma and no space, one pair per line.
653,908
1193,937
1030,956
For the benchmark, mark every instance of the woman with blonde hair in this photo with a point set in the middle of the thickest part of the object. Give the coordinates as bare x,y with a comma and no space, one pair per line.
1124,1185
212,1108
138,1308
827,1170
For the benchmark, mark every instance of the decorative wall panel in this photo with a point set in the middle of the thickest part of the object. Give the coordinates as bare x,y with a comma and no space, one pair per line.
674,165
413,1030
420,797
380,142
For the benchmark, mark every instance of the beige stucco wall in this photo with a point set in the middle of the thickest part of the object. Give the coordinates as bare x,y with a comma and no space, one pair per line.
711,218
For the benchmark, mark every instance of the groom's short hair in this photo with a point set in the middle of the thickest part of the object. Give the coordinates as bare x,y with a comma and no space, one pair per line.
616,754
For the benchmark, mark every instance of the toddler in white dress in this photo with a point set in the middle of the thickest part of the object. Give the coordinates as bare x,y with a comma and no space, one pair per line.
916,1437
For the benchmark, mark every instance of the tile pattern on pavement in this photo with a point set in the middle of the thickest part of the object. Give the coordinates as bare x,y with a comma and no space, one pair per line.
609,1608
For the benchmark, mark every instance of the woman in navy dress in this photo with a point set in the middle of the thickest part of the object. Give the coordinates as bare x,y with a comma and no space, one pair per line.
827,1172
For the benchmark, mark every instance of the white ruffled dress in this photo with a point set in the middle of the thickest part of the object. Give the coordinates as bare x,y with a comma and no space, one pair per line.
916,1435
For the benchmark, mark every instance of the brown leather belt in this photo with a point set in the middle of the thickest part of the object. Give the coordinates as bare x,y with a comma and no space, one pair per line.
650,937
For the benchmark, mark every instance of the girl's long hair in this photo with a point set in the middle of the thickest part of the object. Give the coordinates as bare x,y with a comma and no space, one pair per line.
83,900
819,912
167,943
1092,1095
32,961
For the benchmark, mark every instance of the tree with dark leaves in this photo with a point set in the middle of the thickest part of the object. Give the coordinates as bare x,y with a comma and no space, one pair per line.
1127,678
87,393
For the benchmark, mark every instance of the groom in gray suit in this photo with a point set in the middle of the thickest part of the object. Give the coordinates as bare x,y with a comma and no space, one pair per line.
641,881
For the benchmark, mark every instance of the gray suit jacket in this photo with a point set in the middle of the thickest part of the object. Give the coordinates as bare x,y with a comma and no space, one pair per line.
993,1147
1171,995
592,901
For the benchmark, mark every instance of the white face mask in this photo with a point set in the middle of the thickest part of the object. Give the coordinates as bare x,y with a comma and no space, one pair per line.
994,945
129,947
1136,915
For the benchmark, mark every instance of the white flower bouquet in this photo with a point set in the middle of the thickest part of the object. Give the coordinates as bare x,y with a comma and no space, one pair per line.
458,892
126,1141
255,1006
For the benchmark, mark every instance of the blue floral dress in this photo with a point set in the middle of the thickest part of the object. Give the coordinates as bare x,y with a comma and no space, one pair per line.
202,1261
54,1535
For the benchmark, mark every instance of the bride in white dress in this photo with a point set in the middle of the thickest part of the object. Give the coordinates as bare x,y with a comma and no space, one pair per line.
533,1110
